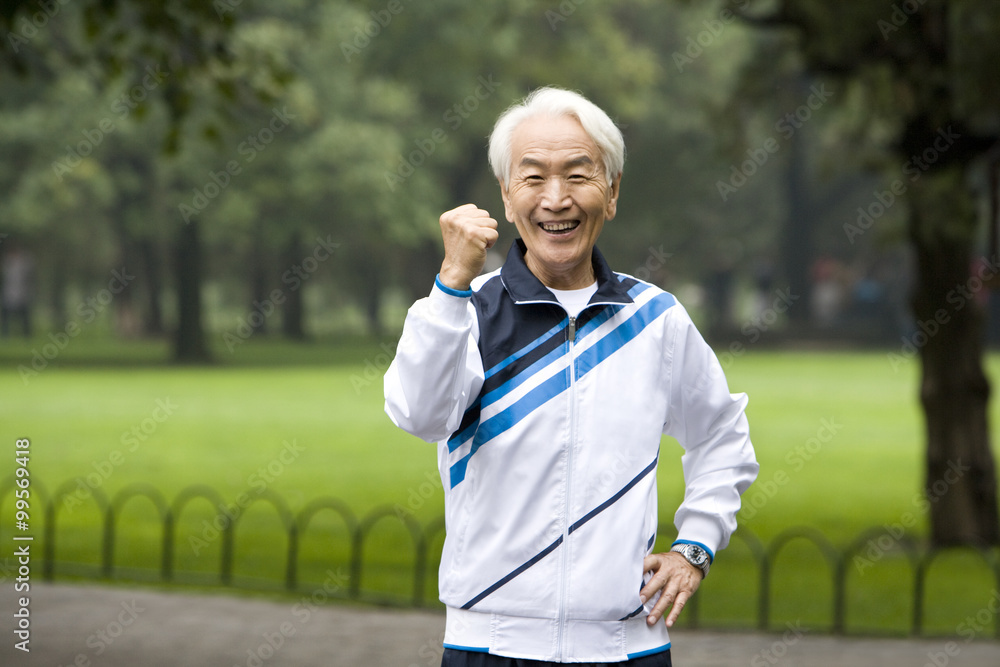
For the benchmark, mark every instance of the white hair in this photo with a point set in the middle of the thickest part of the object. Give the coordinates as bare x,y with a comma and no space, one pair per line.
557,102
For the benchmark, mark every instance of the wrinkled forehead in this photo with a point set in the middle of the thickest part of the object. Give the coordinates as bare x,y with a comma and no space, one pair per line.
569,159
553,141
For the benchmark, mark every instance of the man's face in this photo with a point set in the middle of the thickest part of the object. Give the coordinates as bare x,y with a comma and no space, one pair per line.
558,197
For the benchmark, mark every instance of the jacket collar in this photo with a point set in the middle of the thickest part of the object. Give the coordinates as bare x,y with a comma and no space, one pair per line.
524,287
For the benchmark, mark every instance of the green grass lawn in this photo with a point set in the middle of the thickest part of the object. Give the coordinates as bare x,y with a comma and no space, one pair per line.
838,436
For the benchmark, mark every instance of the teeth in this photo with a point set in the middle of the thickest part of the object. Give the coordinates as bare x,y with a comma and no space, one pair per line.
558,226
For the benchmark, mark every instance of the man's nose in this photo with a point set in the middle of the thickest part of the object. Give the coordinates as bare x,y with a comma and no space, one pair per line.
555,196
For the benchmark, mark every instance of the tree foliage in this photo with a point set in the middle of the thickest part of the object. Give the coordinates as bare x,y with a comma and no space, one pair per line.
251,162
930,110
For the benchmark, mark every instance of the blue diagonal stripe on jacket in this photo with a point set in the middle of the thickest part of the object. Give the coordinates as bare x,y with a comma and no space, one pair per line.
482,432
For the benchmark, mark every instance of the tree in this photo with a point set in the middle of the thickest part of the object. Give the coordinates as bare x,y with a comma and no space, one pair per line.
176,43
926,73
173,53
462,65
392,109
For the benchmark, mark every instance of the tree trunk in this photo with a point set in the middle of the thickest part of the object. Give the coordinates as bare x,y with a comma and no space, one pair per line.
797,232
126,321
151,266
153,257
189,338
961,484
420,265
372,294
57,293
258,285
293,312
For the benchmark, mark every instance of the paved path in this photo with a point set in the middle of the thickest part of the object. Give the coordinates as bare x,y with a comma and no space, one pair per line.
105,626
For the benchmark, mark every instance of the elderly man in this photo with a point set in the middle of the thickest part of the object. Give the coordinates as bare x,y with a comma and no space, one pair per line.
547,385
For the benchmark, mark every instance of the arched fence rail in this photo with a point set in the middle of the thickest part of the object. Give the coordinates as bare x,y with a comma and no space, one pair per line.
919,557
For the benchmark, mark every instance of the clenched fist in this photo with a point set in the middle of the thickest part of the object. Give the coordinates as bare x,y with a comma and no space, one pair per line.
468,232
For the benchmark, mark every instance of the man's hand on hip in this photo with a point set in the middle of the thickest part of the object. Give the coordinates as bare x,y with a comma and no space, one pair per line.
675,578
468,232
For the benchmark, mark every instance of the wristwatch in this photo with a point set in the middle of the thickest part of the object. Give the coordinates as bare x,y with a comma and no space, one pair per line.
694,555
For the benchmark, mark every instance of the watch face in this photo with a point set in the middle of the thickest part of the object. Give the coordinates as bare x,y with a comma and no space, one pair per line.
697,556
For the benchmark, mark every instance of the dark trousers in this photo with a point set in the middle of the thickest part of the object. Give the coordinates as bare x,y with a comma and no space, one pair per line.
454,658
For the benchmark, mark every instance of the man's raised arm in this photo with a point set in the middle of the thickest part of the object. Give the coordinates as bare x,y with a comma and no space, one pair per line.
437,371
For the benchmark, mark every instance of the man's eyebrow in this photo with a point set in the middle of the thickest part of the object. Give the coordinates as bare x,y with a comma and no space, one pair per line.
583,160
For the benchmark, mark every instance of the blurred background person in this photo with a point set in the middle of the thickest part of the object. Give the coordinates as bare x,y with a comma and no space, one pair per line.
18,270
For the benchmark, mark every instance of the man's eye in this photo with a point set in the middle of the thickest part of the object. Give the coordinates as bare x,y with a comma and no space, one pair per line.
533,177
577,177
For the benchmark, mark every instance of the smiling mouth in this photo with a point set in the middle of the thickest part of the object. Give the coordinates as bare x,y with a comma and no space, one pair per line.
559,227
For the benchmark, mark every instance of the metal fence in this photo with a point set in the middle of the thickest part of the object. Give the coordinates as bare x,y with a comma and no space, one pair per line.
919,557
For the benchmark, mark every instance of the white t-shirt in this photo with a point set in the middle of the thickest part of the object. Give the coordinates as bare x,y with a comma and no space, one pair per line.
574,300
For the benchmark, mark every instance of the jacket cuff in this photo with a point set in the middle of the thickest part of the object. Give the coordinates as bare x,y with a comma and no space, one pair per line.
447,306
701,530
464,294
711,553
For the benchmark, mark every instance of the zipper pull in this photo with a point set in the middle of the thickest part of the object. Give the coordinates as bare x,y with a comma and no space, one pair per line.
572,329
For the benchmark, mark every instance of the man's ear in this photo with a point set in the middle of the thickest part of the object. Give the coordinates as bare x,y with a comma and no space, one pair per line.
508,211
612,207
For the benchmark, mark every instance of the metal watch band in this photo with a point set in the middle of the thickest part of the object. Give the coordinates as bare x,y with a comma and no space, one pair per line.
695,555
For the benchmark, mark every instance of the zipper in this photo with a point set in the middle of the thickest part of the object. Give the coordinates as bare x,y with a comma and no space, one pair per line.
564,552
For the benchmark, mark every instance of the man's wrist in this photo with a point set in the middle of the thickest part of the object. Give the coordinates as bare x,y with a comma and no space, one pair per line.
452,290
453,277
696,555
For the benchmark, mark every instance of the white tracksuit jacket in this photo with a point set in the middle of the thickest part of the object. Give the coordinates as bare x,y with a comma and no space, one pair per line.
548,433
